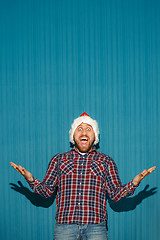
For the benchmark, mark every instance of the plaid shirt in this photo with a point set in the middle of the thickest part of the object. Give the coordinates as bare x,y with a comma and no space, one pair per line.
82,182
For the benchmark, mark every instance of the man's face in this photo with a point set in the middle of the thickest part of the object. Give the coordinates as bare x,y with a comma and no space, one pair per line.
84,137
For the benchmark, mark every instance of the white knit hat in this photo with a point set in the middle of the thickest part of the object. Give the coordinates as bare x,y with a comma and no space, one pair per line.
84,118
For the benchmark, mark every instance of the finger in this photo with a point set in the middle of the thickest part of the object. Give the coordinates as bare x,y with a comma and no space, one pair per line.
146,174
12,163
146,187
13,185
20,169
151,169
15,167
20,183
143,173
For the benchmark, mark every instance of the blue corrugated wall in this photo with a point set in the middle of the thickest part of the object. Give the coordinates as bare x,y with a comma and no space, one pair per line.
57,60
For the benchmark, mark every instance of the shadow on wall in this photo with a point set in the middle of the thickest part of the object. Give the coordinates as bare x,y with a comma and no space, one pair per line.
33,197
124,205
130,203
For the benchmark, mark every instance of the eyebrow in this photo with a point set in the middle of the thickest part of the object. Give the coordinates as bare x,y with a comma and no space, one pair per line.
88,126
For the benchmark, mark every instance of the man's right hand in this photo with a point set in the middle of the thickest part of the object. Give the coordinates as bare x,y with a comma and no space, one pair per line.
28,176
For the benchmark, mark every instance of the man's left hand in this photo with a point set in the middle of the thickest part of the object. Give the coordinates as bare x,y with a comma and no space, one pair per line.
142,175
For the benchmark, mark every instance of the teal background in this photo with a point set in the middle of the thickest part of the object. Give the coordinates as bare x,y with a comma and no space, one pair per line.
57,60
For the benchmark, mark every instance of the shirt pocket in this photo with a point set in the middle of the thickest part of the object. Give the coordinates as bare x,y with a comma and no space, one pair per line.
67,167
96,169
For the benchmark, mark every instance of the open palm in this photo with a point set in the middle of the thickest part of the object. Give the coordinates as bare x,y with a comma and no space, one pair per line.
28,176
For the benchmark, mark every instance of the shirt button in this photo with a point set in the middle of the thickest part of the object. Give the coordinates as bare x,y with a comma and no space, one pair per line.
80,183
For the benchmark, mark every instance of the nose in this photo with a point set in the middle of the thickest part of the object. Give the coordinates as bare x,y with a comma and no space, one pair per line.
84,132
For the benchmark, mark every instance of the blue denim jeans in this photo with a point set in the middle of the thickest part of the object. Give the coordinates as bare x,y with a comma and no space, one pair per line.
80,232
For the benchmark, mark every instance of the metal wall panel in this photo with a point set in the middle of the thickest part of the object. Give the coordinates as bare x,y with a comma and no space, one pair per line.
57,60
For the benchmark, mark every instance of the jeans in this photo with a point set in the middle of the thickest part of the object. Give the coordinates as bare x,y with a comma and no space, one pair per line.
80,232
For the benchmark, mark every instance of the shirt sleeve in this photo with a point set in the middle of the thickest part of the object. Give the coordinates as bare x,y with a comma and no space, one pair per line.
47,187
114,187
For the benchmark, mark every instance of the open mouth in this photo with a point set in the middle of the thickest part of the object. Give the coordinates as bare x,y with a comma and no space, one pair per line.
84,140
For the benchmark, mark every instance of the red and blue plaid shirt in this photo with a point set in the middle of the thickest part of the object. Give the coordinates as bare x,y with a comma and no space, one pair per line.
82,182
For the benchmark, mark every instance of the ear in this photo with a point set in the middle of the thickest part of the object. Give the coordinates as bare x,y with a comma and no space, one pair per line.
73,137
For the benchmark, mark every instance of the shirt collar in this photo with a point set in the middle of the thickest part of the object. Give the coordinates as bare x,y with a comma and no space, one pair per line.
93,150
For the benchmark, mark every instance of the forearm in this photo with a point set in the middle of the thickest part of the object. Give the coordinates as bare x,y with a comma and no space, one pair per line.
115,189
47,187
121,191
41,188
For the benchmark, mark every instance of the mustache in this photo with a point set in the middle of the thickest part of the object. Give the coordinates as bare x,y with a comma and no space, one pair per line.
84,136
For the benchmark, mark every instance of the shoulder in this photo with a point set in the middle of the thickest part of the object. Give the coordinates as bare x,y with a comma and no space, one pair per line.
59,156
103,156
56,159
104,159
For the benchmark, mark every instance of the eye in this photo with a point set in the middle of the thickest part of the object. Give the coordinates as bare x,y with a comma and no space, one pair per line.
79,129
88,129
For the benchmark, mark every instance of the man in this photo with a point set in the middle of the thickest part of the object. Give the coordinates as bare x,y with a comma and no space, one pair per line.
82,175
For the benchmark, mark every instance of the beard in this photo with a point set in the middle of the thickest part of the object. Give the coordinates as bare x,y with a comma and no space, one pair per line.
84,148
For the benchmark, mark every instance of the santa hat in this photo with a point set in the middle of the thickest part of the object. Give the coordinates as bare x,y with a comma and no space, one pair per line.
84,118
